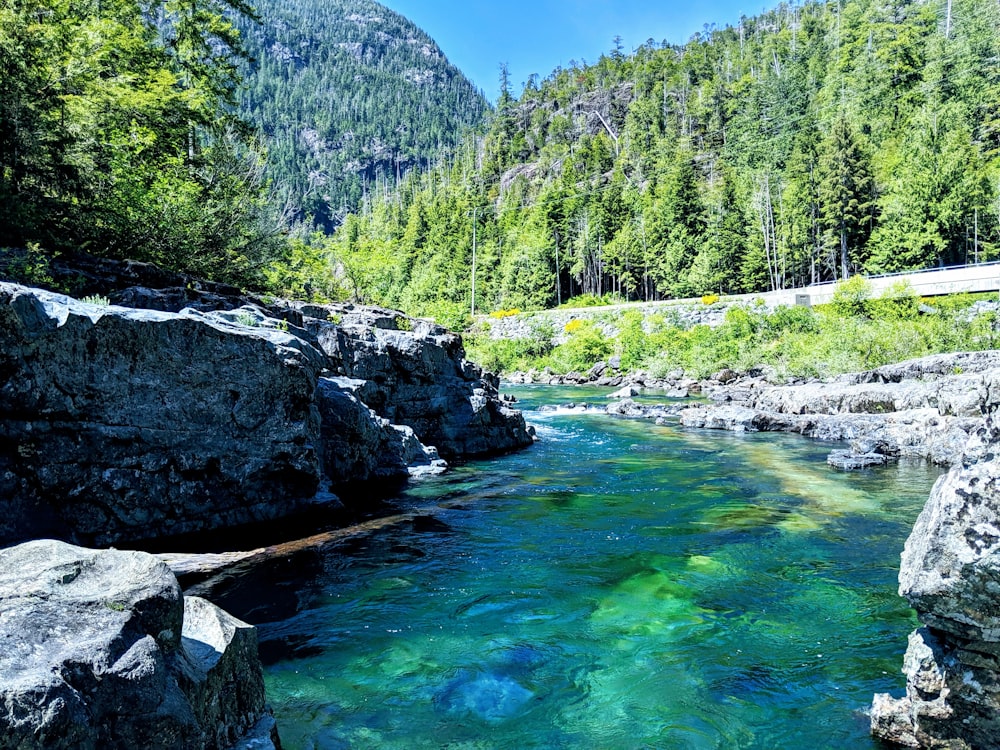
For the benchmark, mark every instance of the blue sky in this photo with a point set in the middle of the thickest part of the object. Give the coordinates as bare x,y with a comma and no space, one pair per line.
536,36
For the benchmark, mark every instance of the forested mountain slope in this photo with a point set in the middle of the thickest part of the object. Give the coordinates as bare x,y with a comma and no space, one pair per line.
348,95
809,143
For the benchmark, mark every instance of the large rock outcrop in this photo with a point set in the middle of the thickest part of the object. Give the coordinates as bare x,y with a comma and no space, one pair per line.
950,573
119,423
125,424
415,373
99,650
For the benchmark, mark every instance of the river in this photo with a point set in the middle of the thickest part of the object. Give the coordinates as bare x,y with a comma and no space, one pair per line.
618,585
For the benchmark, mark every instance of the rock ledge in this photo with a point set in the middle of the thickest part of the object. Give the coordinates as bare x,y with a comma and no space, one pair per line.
98,649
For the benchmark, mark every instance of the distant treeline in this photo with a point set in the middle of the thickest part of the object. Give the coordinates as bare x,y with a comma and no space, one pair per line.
813,142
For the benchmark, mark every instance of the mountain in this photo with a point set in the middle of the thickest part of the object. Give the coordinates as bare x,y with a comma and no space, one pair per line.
349,96
812,142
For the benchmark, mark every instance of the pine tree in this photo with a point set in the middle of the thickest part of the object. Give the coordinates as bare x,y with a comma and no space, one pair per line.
847,195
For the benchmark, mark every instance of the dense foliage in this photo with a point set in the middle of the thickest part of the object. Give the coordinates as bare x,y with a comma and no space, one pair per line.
349,96
857,331
115,137
809,143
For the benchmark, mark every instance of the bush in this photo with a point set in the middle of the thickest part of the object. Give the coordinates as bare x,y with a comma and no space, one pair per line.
898,302
587,345
852,298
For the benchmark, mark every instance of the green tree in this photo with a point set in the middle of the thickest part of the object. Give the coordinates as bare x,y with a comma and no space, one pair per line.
847,195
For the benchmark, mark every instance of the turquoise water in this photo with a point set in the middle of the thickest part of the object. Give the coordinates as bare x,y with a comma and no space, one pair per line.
619,585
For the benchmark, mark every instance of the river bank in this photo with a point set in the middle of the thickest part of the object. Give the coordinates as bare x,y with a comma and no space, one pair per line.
924,408
115,405
144,416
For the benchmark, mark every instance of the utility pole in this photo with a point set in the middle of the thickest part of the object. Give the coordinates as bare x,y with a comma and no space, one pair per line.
473,263
947,22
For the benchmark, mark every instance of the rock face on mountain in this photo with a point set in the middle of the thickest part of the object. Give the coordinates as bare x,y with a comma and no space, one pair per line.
100,650
924,408
124,424
950,573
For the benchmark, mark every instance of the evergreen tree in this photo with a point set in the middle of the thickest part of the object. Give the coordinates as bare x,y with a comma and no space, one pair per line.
846,195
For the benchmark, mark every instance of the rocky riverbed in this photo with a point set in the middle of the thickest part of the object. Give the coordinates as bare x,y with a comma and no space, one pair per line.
190,408
925,408
945,409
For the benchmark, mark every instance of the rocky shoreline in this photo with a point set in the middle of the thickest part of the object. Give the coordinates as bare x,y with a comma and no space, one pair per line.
925,408
123,424
950,573
189,408
100,650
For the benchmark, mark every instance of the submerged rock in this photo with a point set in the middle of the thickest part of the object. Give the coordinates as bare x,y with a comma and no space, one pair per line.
950,573
101,651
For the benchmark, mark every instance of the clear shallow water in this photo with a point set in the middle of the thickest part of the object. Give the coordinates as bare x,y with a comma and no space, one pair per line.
619,585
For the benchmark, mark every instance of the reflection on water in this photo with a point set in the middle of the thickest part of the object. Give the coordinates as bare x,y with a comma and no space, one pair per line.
619,585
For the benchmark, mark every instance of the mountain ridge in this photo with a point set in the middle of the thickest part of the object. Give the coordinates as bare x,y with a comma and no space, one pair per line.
348,95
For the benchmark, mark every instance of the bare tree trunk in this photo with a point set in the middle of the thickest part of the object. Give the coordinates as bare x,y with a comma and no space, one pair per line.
843,251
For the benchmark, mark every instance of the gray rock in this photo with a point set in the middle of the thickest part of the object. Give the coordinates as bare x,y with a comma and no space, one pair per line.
925,408
119,424
597,371
101,651
360,446
420,378
130,424
849,460
725,376
950,573
628,391
918,433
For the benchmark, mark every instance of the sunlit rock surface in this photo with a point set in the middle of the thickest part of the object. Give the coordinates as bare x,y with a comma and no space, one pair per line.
101,651
950,573
925,408
129,424
119,424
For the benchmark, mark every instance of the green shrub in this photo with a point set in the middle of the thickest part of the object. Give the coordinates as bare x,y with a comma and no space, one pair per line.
586,346
29,266
898,302
852,298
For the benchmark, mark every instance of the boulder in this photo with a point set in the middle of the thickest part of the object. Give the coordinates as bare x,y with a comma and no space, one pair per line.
101,651
414,373
121,424
850,460
129,424
950,573
360,446
629,391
